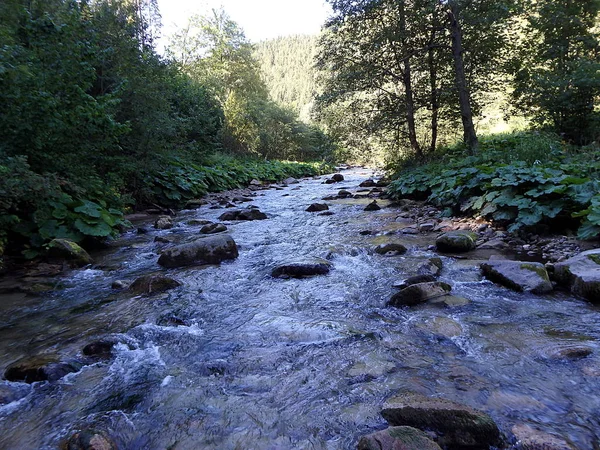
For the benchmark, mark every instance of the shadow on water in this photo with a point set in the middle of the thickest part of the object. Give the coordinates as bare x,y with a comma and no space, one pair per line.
236,359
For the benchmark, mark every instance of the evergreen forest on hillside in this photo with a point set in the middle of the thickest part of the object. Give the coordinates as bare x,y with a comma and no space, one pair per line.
96,123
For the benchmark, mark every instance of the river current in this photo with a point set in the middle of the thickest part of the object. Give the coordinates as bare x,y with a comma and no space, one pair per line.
267,363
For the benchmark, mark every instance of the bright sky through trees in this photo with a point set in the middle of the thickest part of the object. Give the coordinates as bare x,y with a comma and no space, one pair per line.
260,19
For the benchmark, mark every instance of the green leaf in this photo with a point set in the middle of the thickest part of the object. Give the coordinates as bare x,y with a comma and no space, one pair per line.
90,209
101,229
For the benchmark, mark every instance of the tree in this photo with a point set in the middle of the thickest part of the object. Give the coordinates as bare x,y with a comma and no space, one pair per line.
557,70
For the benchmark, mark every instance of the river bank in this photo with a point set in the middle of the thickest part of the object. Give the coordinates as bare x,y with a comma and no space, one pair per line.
233,356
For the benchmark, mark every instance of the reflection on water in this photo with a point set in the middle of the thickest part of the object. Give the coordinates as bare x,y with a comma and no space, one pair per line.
291,364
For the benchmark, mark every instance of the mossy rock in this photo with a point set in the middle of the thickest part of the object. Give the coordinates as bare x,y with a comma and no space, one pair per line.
153,284
208,250
397,438
581,274
456,241
69,251
519,276
419,293
460,427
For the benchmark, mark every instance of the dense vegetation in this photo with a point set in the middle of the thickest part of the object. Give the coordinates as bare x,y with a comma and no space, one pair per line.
94,122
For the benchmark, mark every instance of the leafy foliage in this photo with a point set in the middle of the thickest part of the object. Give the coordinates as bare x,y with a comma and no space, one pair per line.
520,194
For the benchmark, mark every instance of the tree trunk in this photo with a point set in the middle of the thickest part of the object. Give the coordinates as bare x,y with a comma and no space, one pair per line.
470,137
435,104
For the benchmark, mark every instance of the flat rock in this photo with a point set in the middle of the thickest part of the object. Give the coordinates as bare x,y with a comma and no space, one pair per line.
198,222
456,241
517,275
493,244
90,440
316,207
290,180
390,249
581,274
419,293
531,439
397,438
416,279
441,326
206,250
153,284
570,352
460,427
243,214
450,301
302,269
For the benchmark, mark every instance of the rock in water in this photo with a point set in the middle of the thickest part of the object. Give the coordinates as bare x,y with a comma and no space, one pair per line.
581,274
432,267
373,206
531,439
460,427
337,177
69,251
416,279
517,275
99,349
302,269
244,214
316,207
368,183
89,440
213,228
397,438
290,180
163,223
344,194
206,250
419,293
390,249
40,369
153,284
456,241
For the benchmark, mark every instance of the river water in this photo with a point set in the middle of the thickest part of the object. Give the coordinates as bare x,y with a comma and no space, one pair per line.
291,364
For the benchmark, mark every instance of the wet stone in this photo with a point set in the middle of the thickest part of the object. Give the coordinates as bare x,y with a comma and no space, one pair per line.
337,177
531,439
100,349
397,438
519,276
206,250
119,284
368,183
89,440
459,427
153,284
390,249
213,228
432,267
416,279
198,222
571,352
163,223
316,207
419,293
344,194
456,241
302,269
243,214
40,369
69,251
373,206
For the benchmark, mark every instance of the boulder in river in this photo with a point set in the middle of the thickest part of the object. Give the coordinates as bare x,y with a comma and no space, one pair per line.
69,251
390,249
213,228
419,293
100,349
153,284
456,241
316,207
198,222
529,438
290,180
301,269
397,438
206,250
163,223
337,177
368,183
244,214
343,193
459,427
40,369
415,279
89,440
373,206
581,274
517,275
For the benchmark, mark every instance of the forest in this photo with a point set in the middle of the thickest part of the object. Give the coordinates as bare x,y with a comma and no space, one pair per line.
97,123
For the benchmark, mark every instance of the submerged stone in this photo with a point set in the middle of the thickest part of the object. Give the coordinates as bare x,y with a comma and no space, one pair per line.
390,249
432,267
397,438
153,284
416,279
89,440
206,250
316,207
244,214
163,223
40,369
519,276
531,439
460,427
213,228
373,206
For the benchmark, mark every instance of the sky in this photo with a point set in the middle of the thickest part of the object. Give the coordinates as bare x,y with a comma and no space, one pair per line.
260,19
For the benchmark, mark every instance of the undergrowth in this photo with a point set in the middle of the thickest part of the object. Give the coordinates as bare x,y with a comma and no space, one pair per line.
519,180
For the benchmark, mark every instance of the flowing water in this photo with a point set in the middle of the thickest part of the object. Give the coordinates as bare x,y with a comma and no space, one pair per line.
291,364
